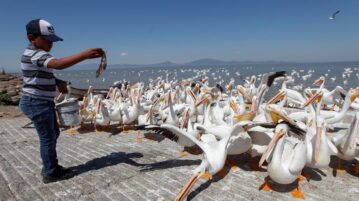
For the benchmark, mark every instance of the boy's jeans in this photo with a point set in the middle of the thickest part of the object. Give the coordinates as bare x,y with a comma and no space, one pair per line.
42,114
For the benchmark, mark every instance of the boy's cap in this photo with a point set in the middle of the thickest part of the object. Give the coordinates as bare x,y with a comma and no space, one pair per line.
43,28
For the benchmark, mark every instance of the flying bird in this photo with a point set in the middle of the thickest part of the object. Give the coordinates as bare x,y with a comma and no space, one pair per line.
332,17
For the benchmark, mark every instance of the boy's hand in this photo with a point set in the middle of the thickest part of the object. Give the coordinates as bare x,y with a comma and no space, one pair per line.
62,87
93,53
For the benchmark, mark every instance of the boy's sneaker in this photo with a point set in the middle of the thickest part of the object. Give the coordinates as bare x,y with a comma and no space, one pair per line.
59,174
64,169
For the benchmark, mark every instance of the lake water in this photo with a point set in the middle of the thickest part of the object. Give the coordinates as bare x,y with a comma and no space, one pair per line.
345,74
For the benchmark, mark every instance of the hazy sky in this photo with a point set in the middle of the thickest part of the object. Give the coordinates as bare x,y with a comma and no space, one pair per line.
152,31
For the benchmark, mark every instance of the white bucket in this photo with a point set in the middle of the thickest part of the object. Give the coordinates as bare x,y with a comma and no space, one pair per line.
68,113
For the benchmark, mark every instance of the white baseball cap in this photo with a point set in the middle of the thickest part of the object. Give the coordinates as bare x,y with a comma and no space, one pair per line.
43,28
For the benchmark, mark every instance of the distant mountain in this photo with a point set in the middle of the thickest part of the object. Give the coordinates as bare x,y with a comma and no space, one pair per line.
216,62
205,62
201,62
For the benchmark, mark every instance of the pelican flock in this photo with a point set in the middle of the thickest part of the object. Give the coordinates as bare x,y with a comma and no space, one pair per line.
289,129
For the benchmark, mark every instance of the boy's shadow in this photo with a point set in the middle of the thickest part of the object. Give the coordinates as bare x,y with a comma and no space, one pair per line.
172,163
109,160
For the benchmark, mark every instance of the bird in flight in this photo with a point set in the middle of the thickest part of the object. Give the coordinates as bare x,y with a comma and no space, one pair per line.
332,17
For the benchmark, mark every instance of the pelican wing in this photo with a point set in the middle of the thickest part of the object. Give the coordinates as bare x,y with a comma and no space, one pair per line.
174,133
262,124
218,131
163,131
335,13
272,76
218,86
298,158
332,148
238,127
296,129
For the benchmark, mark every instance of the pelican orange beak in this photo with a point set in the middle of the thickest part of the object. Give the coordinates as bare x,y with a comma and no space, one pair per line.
308,94
276,137
203,100
247,116
318,81
183,123
353,134
354,95
278,96
229,87
85,101
190,92
109,92
234,107
277,115
317,96
317,144
244,93
150,111
186,83
162,86
90,90
168,98
149,114
195,88
186,188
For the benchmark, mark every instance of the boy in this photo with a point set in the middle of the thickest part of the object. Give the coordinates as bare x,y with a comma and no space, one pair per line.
39,89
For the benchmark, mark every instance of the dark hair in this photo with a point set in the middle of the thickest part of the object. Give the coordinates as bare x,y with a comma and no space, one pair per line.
35,35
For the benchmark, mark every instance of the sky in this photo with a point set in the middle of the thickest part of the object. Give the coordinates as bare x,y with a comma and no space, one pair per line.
180,31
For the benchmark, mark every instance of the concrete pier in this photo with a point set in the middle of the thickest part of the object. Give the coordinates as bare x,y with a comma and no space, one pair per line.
122,168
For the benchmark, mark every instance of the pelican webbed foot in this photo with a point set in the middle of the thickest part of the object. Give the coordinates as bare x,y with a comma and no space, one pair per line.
297,193
356,168
183,152
97,131
207,175
340,168
266,186
231,164
72,130
138,138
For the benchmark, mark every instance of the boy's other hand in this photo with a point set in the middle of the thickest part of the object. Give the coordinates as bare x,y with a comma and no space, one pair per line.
62,87
93,53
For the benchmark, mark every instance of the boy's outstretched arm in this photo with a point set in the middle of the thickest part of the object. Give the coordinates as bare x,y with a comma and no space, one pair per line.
69,61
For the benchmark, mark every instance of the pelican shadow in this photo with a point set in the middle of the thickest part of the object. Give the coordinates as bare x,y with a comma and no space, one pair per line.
313,174
349,166
217,177
169,164
282,188
153,136
106,161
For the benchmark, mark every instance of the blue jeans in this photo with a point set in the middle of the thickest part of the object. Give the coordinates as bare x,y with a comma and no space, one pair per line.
42,114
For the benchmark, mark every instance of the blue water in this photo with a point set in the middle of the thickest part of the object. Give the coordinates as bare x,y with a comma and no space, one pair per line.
84,78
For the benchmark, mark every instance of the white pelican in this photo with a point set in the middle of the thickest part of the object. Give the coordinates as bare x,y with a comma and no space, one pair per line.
329,97
101,118
214,157
347,144
319,147
349,98
287,160
355,104
172,116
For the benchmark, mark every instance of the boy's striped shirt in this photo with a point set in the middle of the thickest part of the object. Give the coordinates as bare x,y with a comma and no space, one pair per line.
39,81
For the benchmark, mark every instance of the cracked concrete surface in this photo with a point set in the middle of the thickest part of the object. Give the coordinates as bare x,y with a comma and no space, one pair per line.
119,168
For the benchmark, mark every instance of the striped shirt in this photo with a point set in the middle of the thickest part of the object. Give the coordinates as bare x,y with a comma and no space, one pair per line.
39,81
